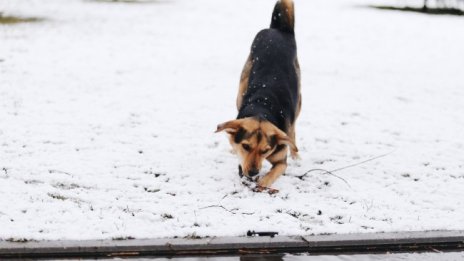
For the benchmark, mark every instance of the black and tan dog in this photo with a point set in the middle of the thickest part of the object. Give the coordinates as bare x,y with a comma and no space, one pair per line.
269,99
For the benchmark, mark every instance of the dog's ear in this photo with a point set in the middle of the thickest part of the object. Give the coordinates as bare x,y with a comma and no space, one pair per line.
283,138
230,127
286,140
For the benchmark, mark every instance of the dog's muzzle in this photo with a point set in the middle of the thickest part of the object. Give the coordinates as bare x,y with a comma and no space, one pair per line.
253,172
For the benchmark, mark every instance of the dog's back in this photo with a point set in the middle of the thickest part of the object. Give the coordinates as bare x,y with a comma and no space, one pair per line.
272,91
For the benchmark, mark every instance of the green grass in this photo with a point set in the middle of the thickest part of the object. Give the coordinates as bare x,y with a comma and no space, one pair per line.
10,19
432,11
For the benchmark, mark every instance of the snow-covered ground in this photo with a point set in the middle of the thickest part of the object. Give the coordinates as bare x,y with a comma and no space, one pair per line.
107,114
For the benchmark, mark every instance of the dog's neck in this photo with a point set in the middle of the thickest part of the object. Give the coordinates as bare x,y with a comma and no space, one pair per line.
263,112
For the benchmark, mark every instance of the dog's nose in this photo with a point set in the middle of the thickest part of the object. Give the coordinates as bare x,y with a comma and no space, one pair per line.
253,172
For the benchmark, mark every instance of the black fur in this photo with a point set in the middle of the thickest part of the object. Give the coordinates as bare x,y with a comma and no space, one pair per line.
279,148
272,92
280,20
240,135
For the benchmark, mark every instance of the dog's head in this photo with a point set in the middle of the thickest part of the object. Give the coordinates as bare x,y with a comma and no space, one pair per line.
254,140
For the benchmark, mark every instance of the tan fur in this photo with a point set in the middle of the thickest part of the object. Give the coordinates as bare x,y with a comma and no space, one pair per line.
260,149
278,156
291,130
244,78
252,159
289,6
276,171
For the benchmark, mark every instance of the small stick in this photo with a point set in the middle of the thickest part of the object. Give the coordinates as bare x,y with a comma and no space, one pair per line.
230,211
51,171
325,172
218,206
362,162
342,168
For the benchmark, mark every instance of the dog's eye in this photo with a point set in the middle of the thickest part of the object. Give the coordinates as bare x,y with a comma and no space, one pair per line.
265,151
246,147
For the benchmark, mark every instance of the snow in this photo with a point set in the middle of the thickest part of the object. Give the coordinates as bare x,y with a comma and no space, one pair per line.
108,112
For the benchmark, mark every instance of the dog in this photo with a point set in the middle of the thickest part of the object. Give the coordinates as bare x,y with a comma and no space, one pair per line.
268,100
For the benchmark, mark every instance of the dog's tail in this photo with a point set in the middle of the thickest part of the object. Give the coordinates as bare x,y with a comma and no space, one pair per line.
283,16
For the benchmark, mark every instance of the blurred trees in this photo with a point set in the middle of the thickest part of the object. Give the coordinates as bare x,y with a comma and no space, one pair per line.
447,4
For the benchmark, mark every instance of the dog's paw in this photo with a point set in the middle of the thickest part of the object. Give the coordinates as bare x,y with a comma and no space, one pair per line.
265,181
265,189
258,189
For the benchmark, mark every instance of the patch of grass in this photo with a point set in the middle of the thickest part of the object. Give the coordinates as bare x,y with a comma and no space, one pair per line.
432,11
167,216
57,196
17,240
192,236
11,19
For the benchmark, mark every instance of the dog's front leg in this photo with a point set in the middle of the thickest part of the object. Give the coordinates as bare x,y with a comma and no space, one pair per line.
277,170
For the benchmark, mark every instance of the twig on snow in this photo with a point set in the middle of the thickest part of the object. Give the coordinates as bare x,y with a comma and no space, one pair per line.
324,172
342,168
230,211
51,171
362,162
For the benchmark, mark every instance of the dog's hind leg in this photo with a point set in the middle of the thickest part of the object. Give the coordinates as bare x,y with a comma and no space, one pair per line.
291,129
244,79
292,135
